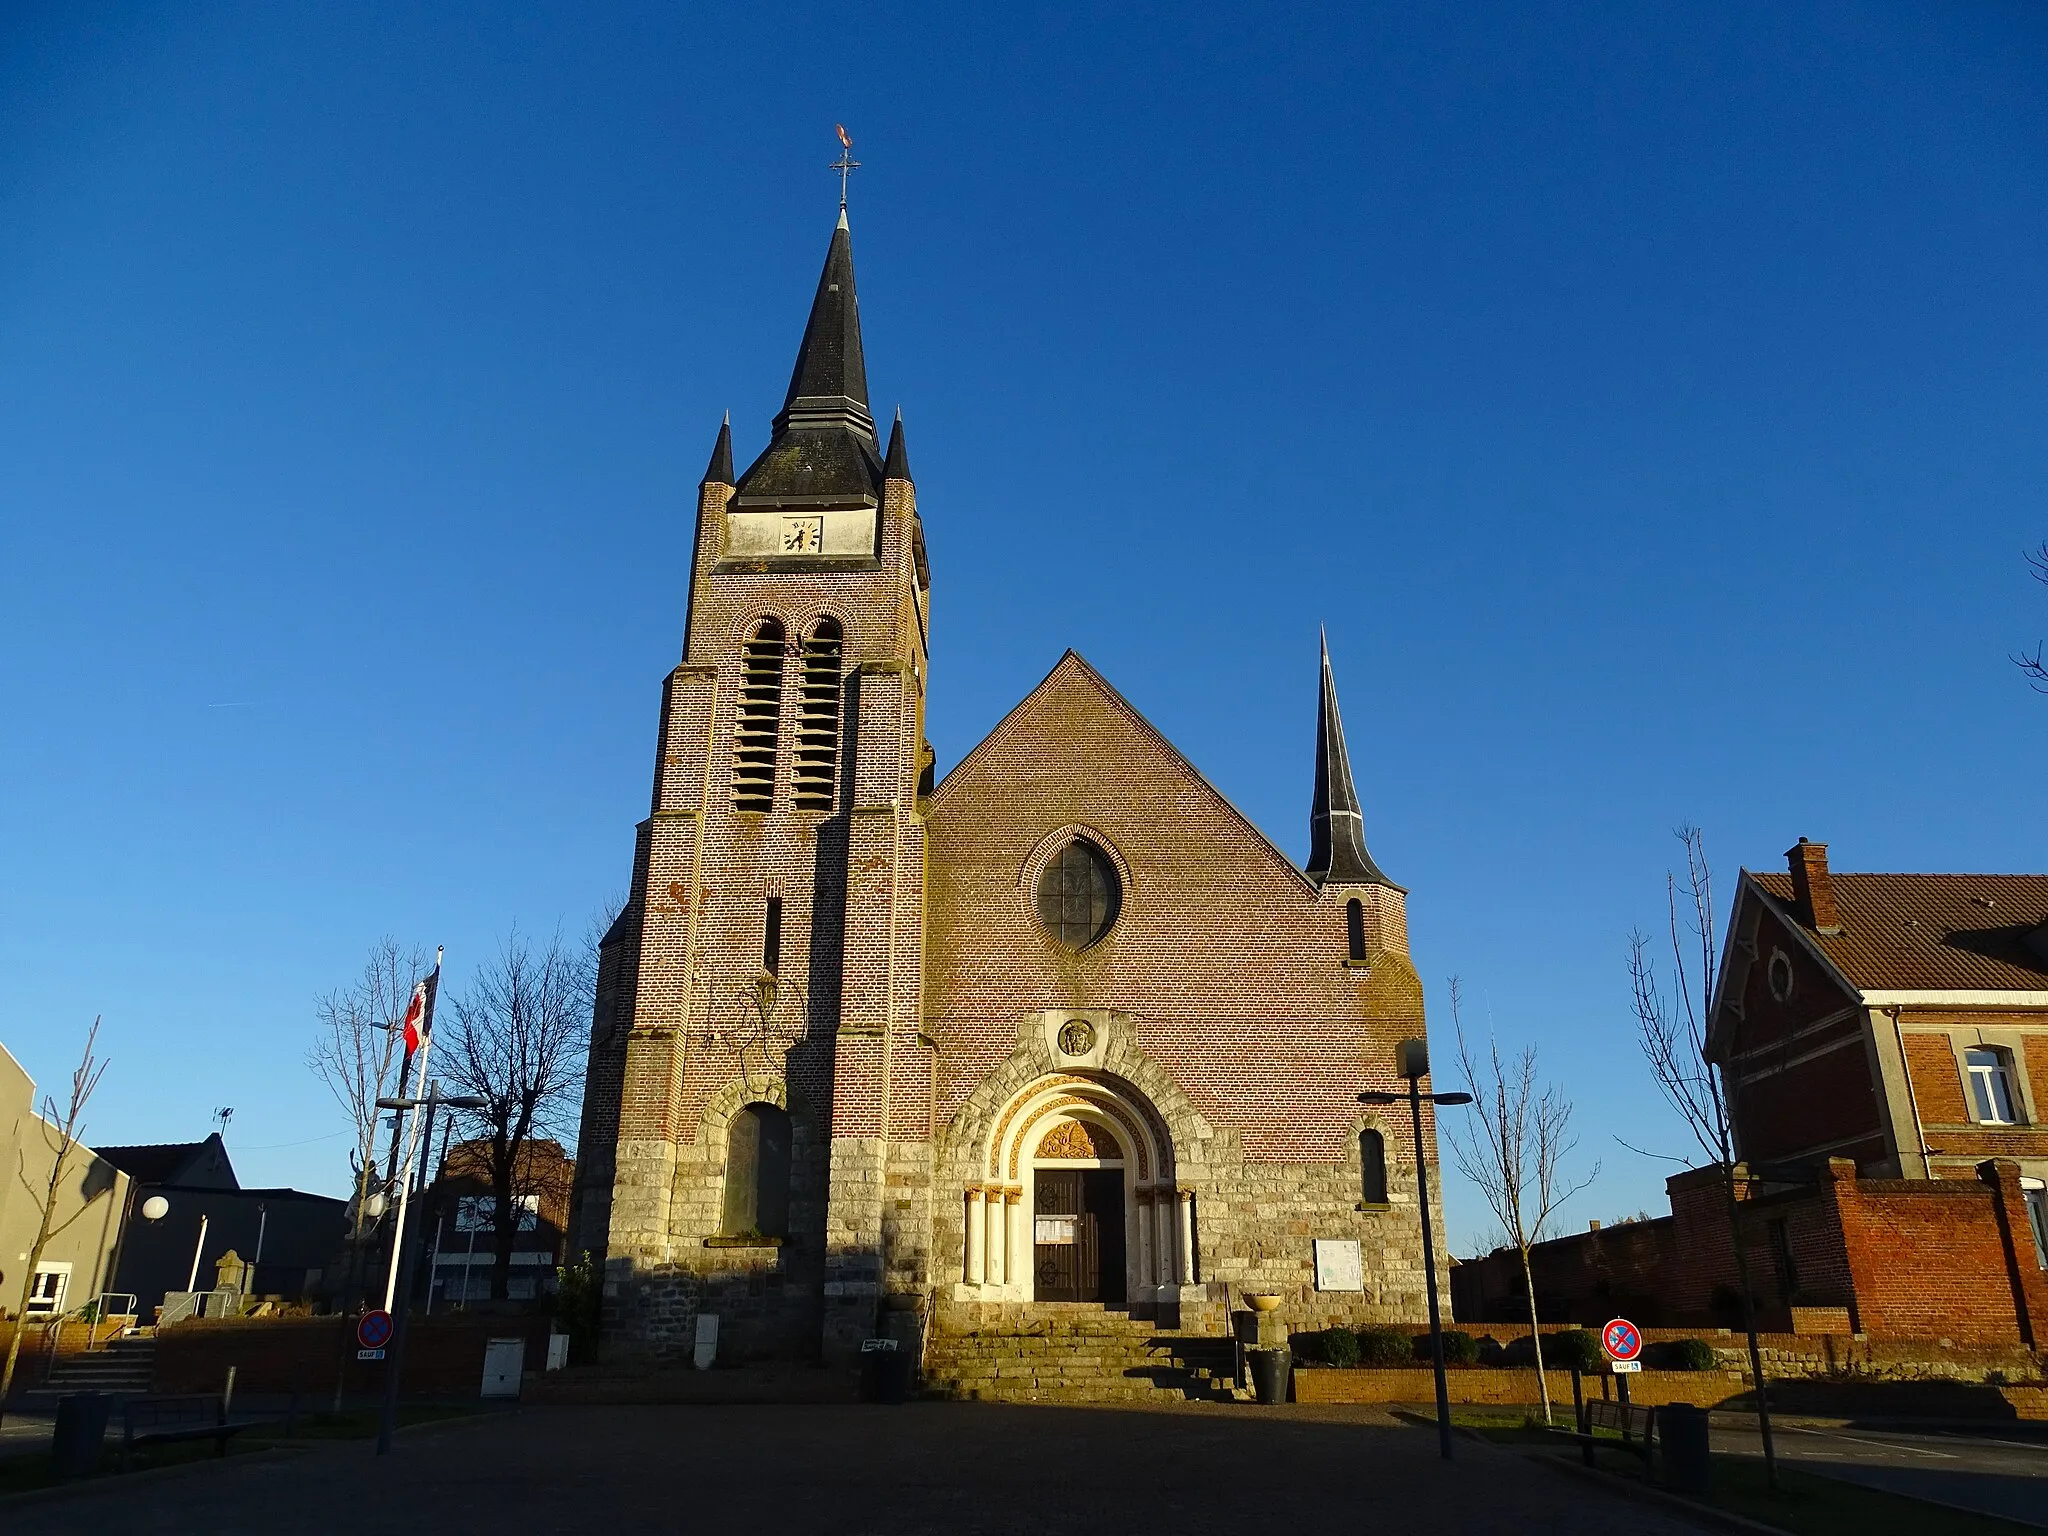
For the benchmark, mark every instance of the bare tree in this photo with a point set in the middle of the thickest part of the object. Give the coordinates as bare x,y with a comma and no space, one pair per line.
358,1051
515,1040
1514,1150
1672,1030
2031,664
63,1135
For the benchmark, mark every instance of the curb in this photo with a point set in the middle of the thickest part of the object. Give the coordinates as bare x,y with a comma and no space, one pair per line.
1704,1514
146,1475
194,1467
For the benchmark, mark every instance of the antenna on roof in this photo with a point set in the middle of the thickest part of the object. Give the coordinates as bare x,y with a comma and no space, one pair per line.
845,165
222,1116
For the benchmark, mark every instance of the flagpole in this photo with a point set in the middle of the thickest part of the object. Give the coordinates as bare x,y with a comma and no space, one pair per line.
412,1133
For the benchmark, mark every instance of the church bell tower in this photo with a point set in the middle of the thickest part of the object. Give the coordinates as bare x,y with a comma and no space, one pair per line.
755,1055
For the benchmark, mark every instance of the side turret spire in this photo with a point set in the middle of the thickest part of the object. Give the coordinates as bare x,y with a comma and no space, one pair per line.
719,470
1337,853
897,465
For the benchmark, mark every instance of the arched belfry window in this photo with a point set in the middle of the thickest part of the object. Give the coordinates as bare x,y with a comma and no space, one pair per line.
757,1173
1354,928
760,720
1372,1168
816,769
1078,894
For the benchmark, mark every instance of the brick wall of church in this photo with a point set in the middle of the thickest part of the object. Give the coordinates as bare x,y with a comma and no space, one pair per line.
1231,968
701,1043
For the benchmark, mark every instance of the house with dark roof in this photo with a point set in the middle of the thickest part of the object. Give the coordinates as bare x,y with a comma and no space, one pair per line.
286,1237
1882,1042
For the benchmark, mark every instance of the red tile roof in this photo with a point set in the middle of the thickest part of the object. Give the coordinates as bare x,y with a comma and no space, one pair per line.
1932,932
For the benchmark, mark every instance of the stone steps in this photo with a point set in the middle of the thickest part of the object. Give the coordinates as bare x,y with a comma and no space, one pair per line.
123,1365
1087,1357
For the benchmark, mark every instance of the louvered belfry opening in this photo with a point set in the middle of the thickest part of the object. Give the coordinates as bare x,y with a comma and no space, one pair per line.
816,769
760,720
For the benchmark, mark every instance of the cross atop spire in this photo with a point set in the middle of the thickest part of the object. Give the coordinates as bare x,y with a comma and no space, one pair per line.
845,165
1336,828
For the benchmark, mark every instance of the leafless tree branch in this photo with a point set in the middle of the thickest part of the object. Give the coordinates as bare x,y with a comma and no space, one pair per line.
515,1040
1673,1031
358,1051
1513,1148
68,1126
2031,664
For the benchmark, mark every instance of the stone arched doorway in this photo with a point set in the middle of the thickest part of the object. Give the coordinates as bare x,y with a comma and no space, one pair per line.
1076,1199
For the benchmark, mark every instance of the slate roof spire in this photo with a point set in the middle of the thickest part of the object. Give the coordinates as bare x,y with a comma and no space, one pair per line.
823,450
719,470
897,465
1336,828
829,386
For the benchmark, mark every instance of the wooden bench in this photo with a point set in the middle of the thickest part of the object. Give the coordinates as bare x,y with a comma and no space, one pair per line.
162,1420
1636,1425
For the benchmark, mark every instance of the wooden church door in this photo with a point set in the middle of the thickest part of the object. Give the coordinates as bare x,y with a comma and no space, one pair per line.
1078,1244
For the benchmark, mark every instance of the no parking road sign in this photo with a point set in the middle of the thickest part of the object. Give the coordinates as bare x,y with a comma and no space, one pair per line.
373,1332
1623,1341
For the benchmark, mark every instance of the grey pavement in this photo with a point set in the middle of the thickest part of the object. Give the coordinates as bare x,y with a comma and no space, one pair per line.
25,1434
1998,1474
918,1470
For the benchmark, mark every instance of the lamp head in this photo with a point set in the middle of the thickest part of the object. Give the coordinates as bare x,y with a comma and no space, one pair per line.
155,1208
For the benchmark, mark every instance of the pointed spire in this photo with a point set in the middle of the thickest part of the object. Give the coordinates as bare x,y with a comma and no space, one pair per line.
829,387
897,465
823,450
719,470
1336,828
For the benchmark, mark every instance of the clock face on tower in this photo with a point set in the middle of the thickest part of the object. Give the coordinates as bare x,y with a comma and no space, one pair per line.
803,535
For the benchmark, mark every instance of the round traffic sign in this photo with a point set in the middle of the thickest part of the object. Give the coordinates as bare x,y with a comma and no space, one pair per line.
1622,1339
373,1329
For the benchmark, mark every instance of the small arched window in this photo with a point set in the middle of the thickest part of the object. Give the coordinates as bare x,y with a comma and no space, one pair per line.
817,732
760,720
757,1173
1372,1168
1354,927
1078,894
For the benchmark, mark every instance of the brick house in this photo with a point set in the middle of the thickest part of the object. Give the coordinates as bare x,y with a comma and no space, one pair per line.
1060,1028
1883,1043
464,1216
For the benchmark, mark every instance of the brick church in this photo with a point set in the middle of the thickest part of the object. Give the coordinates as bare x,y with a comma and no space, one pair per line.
877,1051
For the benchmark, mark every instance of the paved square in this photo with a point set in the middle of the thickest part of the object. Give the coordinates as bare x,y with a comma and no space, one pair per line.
951,1468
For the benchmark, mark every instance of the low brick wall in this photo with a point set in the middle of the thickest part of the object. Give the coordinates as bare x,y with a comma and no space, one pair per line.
1794,1355
1479,1385
444,1357
1482,1385
37,1357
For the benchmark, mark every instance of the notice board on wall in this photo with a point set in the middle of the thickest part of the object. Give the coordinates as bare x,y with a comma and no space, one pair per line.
1339,1266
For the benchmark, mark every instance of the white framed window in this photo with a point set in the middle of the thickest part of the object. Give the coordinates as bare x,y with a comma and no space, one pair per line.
46,1292
1992,1099
479,1213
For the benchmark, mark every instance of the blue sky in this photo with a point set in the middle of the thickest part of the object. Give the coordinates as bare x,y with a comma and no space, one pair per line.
1649,398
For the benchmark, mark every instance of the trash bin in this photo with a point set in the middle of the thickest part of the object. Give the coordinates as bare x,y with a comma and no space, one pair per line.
1688,1465
884,1371
1270,1371
81,1427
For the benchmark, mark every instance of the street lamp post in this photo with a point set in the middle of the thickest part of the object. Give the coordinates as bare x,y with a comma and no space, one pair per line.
403,1260
1413,1065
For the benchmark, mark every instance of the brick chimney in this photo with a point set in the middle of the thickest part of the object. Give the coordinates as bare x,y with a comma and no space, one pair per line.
1813,887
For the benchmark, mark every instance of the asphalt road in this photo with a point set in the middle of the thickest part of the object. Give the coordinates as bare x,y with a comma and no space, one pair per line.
1975,1469
923,1469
